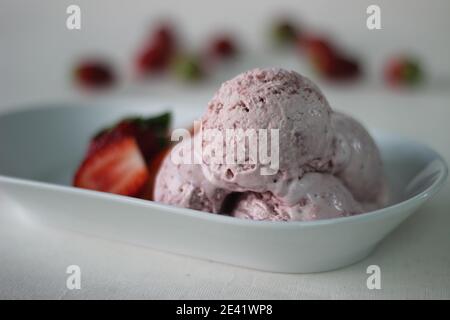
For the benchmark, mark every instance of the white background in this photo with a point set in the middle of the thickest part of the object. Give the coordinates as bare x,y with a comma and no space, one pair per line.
36,56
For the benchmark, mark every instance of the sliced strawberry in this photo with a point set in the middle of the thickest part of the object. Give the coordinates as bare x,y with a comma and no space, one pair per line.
109,136
151,134
117,157
117,167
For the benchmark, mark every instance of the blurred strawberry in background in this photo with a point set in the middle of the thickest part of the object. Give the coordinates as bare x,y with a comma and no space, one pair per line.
187,67
218,51
223,47
157,52
285,33
319,52
329,63
94,74
403,71
161,52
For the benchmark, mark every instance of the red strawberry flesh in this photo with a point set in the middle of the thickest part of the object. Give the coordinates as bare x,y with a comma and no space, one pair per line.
117,157
117,168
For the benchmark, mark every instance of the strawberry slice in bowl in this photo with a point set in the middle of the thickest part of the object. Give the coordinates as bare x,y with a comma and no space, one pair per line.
117,157
117,168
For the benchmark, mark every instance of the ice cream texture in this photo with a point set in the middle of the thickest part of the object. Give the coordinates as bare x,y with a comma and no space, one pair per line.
356,160
270,99
328,164
319,196
183,184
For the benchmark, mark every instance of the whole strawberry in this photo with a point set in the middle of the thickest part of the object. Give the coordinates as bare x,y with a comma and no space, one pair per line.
403,71
187,68
156,54
328,61
94,74
285,33
223,47
320,53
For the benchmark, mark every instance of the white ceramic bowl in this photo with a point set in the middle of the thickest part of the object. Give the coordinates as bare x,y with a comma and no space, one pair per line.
41,148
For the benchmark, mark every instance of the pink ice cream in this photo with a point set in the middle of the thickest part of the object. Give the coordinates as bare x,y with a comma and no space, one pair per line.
183,185
357,160
319,196
329,166
270,99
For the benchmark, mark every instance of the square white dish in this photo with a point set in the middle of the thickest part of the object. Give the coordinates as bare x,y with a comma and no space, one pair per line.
42,147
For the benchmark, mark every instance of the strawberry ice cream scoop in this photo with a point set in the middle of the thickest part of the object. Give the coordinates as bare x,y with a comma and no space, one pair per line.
357,160
318,196
183,184
268,99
